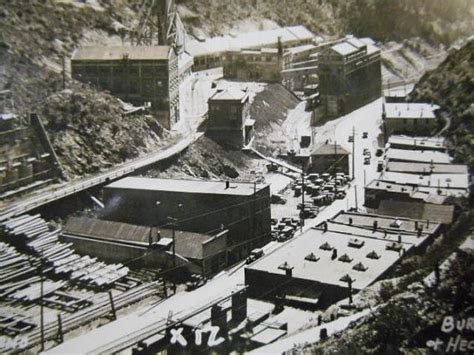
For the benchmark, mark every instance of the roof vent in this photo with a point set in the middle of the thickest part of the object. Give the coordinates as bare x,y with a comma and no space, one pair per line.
285,266
373,255
345,258
346,278
356,243
311,257
325,246
359,267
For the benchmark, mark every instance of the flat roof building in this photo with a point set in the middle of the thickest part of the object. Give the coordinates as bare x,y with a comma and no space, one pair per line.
349,76
229,120
417,143
425,168
409,118
314,269
135,74
198,206
417,156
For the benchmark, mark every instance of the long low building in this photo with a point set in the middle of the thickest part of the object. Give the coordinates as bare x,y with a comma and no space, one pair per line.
447,181
409,118
352,250
195,206
425,168
420,156
149,246
417,143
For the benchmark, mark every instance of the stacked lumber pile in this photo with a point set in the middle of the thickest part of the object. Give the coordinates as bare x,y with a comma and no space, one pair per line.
16,269
34,235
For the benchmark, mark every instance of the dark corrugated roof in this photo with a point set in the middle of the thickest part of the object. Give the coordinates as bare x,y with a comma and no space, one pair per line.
188,244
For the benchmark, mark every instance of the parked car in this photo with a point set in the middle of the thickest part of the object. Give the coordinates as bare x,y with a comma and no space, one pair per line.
380,165
350,139
365,134
366,151
254,255
379,152
277,199
195,282
366,161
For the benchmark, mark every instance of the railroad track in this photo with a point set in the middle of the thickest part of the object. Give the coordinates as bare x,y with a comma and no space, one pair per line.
97,310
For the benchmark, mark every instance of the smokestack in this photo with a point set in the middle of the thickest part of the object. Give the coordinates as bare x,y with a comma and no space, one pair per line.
289,272
375,225
350,221
334,254
227,184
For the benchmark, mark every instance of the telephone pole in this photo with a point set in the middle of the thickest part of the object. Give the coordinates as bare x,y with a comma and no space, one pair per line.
41,302
353,152
302,195
172,224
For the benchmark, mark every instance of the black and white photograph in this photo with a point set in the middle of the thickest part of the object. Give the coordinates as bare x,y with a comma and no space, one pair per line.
282,177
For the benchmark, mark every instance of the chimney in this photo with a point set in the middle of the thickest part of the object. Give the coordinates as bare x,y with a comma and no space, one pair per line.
323,334
239,306
419,233
416,224
350,220
218,316
227,184
289,272
334,254
325,226
399,238
375,225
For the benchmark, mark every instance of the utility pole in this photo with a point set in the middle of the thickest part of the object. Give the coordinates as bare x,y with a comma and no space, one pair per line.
41,302
355,191
365,178
302,195
353,152
60,329
173,233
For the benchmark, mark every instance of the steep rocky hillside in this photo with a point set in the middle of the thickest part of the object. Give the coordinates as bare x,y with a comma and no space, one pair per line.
90,132
208,160
451,86
87,128
270,107
384,20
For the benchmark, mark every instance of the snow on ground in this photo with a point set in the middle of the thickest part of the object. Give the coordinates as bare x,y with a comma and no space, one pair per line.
309,336
367,119
297,124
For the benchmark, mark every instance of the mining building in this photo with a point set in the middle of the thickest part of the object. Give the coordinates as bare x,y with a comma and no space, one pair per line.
135,74
349,76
